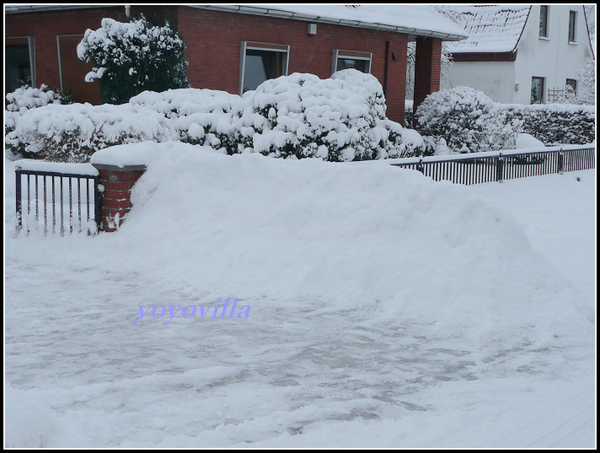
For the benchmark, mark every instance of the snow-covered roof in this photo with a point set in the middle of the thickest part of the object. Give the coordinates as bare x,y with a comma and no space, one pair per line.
490,28
417,20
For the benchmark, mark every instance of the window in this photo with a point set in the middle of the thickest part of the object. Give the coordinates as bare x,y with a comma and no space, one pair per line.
544,21
262,62
571,86
537,90
18,67
346,59
572,22
72,71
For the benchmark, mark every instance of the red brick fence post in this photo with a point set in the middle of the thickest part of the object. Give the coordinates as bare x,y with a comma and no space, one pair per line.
117,183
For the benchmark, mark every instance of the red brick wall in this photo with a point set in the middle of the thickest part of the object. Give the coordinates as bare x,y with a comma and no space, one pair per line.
116,199
213,48
46,26
213,44
427,68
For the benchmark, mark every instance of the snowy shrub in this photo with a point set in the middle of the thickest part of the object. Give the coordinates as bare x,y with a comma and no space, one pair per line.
556,123
72,133
586,90
337,119
467,120
196,116
25,98
130,58
22,100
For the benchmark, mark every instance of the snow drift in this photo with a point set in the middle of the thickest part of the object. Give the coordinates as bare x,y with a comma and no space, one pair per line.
364,236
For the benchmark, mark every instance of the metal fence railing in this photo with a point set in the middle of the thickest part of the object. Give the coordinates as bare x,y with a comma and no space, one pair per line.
500,166
57,201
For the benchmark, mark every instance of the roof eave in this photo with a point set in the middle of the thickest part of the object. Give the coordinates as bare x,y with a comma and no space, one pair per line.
484,56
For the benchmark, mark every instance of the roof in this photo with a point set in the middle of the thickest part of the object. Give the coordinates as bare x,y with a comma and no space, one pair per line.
416,20
491,29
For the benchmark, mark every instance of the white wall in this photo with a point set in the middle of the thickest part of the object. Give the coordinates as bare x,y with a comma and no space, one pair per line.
494,78
553,58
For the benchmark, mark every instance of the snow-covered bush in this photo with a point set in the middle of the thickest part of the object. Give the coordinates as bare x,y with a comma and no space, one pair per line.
586,89
556,123
23,99
26,97
337,119
72,133
467,120
196,116
130,58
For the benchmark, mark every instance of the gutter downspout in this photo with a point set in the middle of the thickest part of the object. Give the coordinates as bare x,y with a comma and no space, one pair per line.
386,67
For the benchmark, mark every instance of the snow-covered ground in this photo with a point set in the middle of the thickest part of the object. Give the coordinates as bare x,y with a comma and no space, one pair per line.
384,310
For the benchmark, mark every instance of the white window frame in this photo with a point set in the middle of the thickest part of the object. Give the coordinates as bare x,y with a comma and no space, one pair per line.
253,45
547,36
573,14
543,91
60,69
351,54
31,48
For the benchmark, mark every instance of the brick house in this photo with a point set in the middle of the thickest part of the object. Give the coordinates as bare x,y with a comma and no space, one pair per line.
234,48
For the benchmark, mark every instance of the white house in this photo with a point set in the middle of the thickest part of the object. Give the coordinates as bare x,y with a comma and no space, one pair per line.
520,54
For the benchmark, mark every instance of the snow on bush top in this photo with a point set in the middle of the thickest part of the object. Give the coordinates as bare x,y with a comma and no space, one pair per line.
130,35
338,119
301,115
186,101
134,57
25,98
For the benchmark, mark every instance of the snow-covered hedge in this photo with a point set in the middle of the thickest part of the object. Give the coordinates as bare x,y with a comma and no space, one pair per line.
196,116
20,102
467,120
72,133
337,119
556,123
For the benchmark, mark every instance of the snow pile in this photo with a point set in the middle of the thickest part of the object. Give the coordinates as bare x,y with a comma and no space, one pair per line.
386,311
354,236
337,119
525,141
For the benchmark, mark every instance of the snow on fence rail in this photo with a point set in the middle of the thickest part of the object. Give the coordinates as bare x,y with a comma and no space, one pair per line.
477,168
57,197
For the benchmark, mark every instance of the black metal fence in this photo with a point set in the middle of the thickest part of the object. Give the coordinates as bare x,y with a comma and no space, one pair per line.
499,167
57,202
